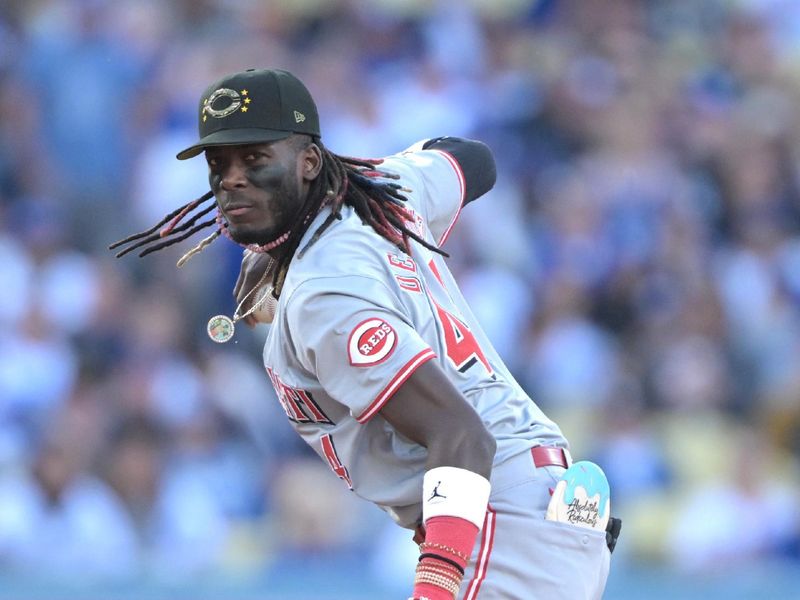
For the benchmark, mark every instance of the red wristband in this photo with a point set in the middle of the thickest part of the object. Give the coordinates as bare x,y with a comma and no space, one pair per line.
451,537
445,554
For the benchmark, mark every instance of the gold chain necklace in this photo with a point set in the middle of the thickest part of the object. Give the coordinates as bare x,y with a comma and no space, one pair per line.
222,327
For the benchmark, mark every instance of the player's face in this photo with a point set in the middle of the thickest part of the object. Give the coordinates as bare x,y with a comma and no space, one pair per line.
259,188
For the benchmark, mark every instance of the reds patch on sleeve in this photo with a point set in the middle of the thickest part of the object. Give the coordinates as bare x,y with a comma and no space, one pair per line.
371,342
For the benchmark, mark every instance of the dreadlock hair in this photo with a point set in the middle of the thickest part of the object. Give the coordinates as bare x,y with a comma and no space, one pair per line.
342,181
170,231
358,183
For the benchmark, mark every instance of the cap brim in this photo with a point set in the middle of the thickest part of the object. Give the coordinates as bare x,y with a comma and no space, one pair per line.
233,137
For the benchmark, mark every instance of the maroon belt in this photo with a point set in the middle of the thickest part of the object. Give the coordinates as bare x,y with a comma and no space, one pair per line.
549,456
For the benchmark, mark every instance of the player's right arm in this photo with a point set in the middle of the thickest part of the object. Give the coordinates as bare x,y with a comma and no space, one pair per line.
431,411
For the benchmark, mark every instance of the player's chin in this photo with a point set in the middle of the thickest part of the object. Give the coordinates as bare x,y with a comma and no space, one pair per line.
244,234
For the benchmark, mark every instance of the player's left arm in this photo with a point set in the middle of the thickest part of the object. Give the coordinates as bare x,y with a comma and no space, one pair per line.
475,160
431,411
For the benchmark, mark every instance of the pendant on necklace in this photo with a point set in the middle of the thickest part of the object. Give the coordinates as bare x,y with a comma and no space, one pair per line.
220,328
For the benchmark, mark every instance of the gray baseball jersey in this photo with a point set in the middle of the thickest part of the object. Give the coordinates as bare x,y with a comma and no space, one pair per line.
357,316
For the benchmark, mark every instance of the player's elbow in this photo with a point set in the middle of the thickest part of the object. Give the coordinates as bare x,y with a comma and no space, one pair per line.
475,160
484,174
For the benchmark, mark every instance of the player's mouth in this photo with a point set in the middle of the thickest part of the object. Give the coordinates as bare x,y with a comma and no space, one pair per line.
238,210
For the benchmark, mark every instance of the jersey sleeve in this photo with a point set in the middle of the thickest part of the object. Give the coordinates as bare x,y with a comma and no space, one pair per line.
356,340
437,184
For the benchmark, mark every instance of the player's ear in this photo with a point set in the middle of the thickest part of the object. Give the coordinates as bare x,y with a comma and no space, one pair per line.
311,157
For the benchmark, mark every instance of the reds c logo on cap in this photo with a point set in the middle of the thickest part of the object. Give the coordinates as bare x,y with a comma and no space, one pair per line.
236,101
371,342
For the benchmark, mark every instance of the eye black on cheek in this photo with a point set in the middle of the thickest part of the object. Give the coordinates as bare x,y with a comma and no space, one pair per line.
269,175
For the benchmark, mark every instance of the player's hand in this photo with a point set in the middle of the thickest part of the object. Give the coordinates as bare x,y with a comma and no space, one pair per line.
250,273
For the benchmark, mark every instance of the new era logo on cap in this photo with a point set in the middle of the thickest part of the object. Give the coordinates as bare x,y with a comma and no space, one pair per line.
252,107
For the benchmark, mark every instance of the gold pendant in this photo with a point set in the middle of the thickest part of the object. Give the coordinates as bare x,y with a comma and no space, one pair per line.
220,329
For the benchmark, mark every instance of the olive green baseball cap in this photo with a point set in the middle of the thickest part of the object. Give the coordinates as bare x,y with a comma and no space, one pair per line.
252,107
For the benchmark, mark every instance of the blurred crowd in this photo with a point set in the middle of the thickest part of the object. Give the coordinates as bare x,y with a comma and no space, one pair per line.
637,264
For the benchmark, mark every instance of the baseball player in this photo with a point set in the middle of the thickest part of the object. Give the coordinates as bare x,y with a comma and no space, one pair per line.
376,358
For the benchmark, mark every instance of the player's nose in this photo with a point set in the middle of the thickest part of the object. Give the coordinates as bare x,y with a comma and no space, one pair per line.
233,176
